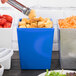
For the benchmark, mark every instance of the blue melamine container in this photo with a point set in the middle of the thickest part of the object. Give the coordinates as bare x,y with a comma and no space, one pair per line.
35,47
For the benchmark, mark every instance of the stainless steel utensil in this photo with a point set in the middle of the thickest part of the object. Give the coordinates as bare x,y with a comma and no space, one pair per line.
19,6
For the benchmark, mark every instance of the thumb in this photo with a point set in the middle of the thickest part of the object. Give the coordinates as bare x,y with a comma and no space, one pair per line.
3,1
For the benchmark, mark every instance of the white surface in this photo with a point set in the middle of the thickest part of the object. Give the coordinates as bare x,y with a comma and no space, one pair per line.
6,59
64,72
1,70
57,3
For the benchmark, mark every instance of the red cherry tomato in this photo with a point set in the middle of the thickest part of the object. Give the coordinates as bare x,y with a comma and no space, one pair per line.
0,16
8,18
1,26
2,21
7,25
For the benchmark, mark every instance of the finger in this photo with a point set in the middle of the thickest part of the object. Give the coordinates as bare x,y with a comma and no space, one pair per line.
3,1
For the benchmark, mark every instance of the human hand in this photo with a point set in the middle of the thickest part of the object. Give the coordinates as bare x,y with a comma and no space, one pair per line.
3,1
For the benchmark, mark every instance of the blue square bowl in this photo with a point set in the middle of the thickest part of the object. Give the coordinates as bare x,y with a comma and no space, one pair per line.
35,47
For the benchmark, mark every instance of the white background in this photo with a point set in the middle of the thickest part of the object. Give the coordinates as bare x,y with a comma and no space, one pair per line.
54,9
